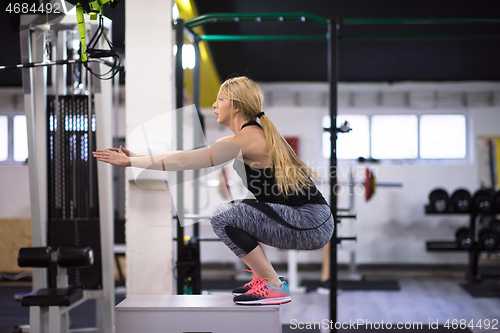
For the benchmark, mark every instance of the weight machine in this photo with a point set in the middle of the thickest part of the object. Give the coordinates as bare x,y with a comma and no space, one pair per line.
71,196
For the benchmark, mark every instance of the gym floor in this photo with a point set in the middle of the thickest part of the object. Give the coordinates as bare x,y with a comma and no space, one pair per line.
421,299
424,296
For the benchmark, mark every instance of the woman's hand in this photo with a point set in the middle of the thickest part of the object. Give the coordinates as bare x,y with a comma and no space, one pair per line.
114,156
127,152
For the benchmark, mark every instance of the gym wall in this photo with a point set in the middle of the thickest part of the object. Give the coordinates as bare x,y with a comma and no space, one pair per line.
15,214
391,227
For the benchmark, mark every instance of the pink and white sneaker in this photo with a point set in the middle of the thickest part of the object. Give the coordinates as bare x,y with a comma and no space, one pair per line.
243,289
265,294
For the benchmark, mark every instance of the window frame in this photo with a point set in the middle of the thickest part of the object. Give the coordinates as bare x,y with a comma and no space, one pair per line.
469,153
10,128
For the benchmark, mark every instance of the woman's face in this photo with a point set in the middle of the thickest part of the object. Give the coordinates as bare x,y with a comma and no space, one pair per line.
223,110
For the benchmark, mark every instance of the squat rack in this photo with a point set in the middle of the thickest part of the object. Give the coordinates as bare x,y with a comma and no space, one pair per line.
332,37
332,61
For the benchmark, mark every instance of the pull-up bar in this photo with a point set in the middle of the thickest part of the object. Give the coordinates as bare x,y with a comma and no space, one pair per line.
248,38
306,17
256,17
235,38
323,22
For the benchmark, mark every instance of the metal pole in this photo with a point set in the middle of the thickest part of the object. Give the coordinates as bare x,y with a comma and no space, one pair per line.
333,32
38,232
116,104
236,38
491,159
61,53
198,139
102,91
179,103
53,63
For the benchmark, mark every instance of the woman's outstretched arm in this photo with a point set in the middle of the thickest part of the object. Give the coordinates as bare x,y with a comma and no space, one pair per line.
215,154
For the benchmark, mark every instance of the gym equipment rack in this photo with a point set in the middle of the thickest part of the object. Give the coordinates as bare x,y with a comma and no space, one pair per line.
332,47
332,37
60,212
472,273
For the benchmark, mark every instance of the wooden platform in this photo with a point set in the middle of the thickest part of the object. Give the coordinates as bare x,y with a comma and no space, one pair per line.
194,314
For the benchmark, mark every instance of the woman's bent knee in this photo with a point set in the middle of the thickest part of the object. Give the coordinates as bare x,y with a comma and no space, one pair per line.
221,208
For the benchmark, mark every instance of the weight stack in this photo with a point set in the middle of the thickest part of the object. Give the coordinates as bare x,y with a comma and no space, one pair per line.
73,200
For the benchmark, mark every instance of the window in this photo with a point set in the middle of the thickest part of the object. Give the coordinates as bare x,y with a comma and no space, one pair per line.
443,136
4,138
13,139
350,145
20,139
396,136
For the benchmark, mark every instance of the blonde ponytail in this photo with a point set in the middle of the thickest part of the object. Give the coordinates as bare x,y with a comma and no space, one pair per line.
291,174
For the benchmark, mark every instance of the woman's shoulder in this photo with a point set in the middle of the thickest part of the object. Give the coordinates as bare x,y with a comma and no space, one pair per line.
246,139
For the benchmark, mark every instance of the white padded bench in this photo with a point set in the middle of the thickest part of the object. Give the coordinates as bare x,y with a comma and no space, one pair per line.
194,314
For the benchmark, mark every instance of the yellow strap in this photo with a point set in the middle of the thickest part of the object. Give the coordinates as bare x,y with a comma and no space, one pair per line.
96,5
82,31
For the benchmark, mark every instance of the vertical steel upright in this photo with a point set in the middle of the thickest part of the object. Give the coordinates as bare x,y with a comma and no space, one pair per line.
35,92
333,76
101,90
198,141
179,103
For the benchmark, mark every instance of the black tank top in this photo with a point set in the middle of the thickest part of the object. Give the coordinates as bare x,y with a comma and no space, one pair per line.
261,182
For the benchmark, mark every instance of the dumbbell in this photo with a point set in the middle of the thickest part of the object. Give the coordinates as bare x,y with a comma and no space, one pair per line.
460,201
464,238
495,228
496,203
495,225
482,201
439,200
488,239
65,256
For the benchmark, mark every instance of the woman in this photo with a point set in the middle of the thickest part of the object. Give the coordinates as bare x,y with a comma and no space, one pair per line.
288,213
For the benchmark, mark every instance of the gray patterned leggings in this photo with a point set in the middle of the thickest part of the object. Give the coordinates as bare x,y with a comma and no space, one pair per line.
241,225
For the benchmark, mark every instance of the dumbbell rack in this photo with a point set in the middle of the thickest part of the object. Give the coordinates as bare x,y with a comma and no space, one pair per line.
472,273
